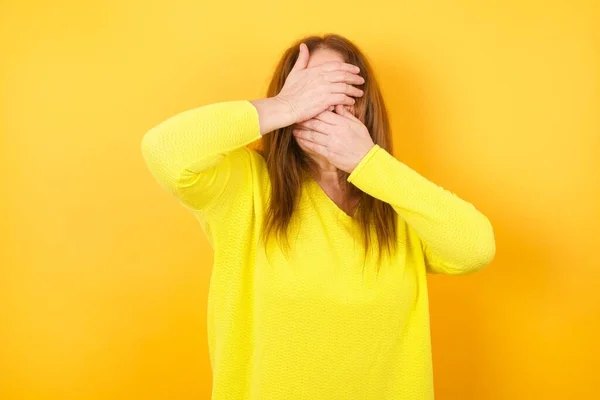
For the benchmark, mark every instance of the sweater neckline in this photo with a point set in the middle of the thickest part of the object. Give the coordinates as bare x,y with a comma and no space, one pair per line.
320,193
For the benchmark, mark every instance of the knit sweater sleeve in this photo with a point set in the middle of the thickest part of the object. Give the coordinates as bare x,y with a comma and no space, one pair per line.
199,155
455,236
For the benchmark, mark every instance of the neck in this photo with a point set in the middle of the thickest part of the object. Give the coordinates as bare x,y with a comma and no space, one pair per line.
324,170
328,177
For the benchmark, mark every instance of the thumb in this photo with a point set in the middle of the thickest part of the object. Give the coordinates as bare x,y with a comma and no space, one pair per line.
302,61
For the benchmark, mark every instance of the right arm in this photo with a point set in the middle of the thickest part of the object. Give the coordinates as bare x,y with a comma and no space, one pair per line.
198,154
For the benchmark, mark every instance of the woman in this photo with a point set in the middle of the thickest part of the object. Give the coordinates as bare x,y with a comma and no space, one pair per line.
322,238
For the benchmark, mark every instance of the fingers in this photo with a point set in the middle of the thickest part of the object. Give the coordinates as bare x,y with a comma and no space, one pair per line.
339,66
314,147
332,118
346,89
303,56
337,118
338,98
310,135
318,126
345,77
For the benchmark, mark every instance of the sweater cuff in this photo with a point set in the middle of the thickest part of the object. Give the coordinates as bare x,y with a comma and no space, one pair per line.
363,162
378,173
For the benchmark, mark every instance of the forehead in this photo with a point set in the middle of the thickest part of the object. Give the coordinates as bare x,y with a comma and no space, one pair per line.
322,56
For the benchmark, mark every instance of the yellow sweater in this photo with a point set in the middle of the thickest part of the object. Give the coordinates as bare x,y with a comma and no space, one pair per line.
312,324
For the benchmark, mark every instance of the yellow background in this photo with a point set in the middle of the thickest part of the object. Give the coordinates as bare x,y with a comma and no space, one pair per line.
103,276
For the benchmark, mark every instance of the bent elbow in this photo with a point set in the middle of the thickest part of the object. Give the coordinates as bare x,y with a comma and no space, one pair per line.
149,146
483,256
475,260
158,159
476,251
484,253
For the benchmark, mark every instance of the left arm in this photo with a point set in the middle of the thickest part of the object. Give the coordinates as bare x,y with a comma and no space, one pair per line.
457,238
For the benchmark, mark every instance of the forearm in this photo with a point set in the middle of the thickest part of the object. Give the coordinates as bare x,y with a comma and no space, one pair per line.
273,114
195,139
198,153
453,230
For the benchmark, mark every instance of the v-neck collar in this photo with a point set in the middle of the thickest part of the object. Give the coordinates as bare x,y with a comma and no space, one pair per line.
316,188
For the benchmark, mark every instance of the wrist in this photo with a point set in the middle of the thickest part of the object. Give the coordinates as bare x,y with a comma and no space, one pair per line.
274,113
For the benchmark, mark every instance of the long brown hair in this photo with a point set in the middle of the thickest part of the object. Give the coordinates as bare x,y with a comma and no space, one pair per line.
280,149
